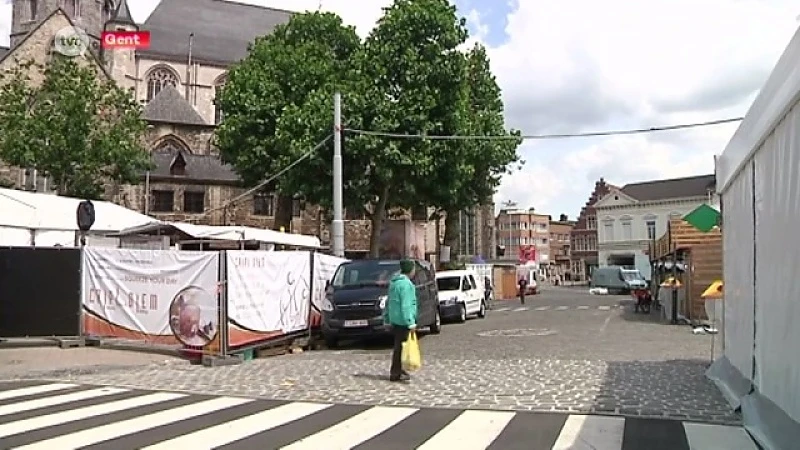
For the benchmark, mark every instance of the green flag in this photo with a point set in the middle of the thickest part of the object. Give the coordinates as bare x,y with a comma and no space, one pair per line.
704,218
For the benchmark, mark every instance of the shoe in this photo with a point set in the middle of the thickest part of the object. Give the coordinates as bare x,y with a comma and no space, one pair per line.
402,377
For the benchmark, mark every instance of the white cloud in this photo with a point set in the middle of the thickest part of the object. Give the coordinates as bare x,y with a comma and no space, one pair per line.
621,64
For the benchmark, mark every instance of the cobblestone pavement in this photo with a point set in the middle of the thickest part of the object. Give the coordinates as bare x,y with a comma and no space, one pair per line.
576,360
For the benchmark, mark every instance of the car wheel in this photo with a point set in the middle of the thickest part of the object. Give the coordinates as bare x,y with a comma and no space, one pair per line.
436,327
482,311
331,342
462,316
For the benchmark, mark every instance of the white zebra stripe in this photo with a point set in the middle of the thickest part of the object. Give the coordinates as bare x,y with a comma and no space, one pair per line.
471,429
103,433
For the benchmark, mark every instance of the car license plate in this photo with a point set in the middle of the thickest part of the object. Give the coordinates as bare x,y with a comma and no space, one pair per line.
355,323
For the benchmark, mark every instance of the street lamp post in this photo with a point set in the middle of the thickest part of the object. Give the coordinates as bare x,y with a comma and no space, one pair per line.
337,227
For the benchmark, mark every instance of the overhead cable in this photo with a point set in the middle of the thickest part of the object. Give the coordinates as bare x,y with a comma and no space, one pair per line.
542,136
269,179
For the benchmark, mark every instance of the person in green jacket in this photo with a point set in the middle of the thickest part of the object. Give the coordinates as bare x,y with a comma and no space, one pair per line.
401,314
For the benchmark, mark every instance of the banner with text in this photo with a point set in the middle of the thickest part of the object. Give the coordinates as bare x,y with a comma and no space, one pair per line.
161,296
268,294
324,268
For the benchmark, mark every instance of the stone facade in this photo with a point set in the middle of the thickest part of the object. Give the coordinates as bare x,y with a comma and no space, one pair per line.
583,237
36,47
86,14
560,262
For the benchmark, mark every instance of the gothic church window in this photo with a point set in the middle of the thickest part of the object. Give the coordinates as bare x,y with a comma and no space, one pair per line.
171,144
219,84
158,79
71,7
33,6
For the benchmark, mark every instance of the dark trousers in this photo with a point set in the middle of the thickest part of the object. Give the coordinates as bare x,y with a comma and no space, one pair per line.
400,335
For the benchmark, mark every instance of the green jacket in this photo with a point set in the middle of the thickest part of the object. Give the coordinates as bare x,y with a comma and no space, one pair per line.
401,306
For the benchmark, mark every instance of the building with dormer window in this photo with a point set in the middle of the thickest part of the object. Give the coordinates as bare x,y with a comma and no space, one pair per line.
630,218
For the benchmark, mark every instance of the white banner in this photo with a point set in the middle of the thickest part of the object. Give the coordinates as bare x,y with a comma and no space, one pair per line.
268,294
324,268
160,295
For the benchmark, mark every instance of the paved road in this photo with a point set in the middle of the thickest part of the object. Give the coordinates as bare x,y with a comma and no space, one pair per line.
574,360
44,416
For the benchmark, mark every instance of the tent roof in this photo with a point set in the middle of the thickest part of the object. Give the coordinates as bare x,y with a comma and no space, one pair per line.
776,97
224,233
31,210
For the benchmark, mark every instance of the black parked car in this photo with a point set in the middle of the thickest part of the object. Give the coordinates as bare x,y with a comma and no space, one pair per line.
356,298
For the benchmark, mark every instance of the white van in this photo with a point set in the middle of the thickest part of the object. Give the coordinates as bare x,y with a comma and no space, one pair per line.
461,294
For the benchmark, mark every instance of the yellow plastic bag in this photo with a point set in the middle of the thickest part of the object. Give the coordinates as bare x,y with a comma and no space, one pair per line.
411,356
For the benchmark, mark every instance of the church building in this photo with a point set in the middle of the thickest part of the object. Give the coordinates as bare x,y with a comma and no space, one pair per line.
176,79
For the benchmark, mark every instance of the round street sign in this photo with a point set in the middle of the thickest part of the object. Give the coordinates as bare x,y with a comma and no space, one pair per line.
85,215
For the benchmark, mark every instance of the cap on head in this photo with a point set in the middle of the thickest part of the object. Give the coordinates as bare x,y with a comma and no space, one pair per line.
406,266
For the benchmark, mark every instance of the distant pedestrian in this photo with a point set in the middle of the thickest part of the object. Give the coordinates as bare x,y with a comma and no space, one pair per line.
401,315
523,285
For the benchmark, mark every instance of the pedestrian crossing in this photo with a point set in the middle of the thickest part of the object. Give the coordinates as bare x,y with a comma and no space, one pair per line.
557,308
45,416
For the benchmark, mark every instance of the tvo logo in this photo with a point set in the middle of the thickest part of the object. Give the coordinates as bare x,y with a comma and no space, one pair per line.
71,41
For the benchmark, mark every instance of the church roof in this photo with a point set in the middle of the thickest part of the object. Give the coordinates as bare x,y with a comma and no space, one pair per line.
171,107
122,14
222,29
204,168
3,52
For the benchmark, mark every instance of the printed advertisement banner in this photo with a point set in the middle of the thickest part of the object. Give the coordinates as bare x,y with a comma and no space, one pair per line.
268,294
161,296
324,268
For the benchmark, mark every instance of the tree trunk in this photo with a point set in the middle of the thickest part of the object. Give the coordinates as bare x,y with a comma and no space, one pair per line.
451,234
283,212
376,218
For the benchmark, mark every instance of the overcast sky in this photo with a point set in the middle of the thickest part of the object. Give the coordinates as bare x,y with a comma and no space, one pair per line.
582,65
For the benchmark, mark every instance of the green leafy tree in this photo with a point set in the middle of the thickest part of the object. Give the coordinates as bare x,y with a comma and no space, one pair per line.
75,126
268,93
412,60
407,79
472,170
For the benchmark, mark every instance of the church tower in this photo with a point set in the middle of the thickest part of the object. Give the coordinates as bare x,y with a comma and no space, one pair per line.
121,62
89,15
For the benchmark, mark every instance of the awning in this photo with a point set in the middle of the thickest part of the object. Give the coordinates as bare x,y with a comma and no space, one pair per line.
671,282
224,233
713,292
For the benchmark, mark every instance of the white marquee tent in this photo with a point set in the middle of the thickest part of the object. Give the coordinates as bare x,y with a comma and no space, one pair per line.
225,233
29,218
758,178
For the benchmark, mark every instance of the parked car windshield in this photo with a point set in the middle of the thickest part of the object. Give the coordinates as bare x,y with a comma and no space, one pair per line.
365,273
448,283
632,276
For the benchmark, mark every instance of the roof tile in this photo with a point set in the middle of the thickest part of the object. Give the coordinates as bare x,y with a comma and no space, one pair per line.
171,107
673,188
222,29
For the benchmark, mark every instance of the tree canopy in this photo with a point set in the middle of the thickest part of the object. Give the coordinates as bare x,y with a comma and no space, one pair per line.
267,95
409,76
76,127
